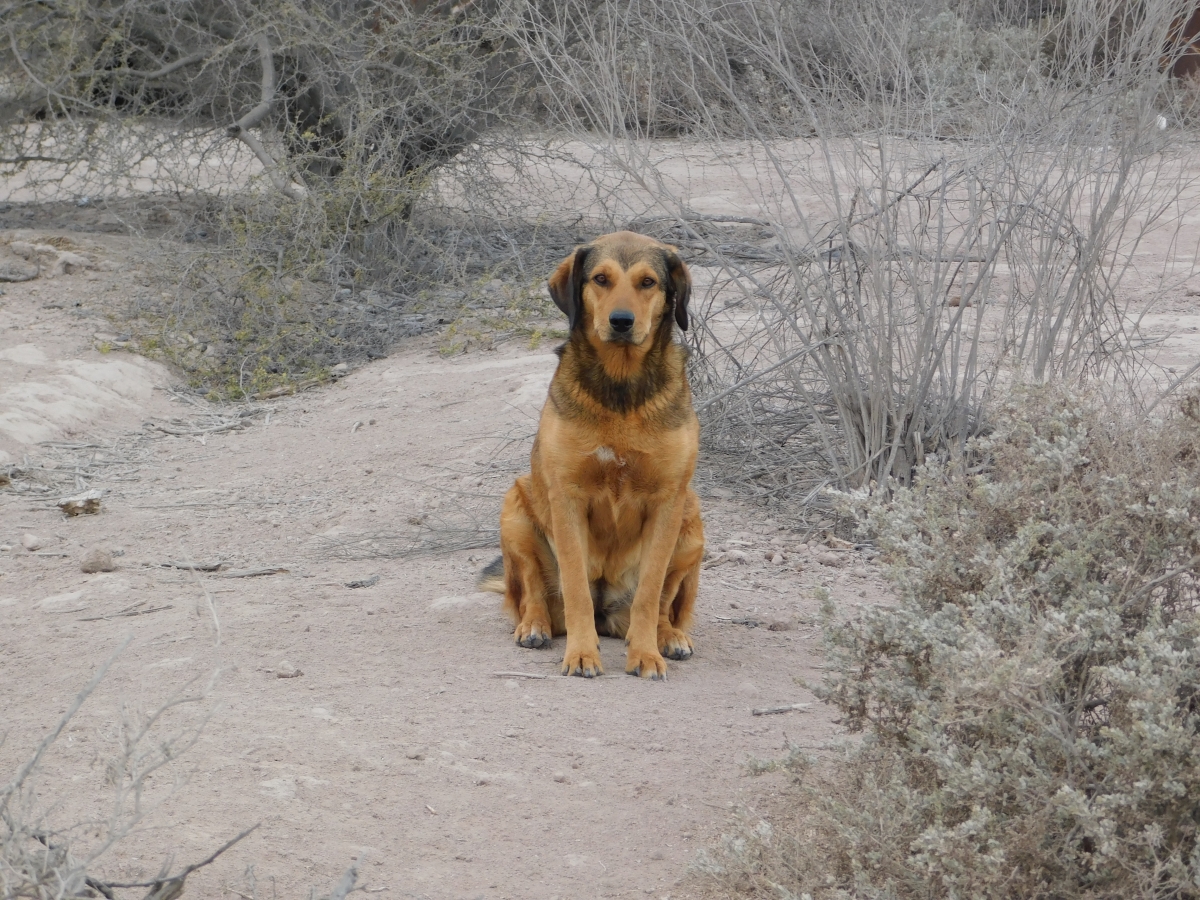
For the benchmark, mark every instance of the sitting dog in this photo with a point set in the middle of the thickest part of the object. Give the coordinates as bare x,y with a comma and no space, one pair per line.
603,536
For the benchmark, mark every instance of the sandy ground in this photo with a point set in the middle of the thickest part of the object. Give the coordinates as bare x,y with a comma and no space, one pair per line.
407,744
402,744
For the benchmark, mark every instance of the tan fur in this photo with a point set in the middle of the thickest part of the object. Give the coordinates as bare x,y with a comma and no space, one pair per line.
604,536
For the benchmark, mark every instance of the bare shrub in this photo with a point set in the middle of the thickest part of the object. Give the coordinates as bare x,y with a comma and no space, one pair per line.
289,144
43,859
1029,705
40,858
883,280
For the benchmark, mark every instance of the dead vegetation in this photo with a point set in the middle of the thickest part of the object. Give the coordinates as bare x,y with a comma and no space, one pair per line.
42,858
920,205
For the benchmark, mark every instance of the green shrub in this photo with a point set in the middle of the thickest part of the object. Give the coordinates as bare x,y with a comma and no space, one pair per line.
1029,706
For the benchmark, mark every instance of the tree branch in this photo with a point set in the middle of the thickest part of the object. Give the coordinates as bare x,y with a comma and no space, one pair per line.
172,67
239,128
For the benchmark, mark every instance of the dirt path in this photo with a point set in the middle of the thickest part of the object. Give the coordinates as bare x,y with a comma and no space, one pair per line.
399,742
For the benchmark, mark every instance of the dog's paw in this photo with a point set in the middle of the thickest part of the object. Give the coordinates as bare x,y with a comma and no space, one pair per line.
646,664
582,662
674,644
533,634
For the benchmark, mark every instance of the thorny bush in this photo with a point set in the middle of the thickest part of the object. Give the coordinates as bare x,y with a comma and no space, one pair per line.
1030,704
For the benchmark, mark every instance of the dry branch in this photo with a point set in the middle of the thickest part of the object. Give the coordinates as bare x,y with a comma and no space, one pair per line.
518,675
172,887
255,116
777,710
253,573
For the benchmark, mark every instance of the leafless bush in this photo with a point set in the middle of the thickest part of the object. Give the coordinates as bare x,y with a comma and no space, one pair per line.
879,163
43,859
877,280
289,143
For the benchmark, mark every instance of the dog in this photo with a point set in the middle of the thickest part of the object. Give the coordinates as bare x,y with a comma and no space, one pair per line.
604,536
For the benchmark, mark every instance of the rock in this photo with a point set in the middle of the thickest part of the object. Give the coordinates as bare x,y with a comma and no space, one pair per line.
32,542
860,572
340,369
11,270
560,777
748,689
738,556
31,251
778,559
287,670
69,263
97,560
87,503
780,626
417,753
829,558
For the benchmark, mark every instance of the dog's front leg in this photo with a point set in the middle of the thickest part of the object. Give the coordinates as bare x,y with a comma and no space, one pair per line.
662,525
569,522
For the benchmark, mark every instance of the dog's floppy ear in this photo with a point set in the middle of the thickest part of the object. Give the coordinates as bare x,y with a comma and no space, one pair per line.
680,280
566,285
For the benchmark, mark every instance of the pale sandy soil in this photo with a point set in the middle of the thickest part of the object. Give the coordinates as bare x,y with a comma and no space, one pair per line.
399,743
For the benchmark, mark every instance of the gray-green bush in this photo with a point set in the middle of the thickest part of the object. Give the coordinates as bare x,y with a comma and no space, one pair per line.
1030,707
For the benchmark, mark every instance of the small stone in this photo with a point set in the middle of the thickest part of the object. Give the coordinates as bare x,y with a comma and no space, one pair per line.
829,558
340,369
860,572
657,854
287,670
778,559
748,689
417,753
656,748
780,626
97,560
32,542
4,548
560,777
738,556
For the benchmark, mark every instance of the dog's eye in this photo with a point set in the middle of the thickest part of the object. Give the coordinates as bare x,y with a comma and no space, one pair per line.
647,282
601,279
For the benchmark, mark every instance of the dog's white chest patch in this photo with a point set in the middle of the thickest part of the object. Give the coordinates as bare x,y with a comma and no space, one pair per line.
606,455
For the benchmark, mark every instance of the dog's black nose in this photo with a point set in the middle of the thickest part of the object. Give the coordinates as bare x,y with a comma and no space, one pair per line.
621,321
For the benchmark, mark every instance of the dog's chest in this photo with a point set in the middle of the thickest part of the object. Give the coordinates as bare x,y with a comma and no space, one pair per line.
614,471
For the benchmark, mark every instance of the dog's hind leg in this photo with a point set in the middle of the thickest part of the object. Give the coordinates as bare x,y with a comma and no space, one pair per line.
525,589
681,586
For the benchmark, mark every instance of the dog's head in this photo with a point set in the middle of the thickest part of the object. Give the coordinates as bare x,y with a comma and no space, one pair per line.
620,286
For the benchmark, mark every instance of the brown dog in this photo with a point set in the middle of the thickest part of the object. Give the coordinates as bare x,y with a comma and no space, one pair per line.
603,536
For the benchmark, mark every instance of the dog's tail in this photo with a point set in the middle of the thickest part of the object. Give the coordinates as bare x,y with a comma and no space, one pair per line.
492,576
